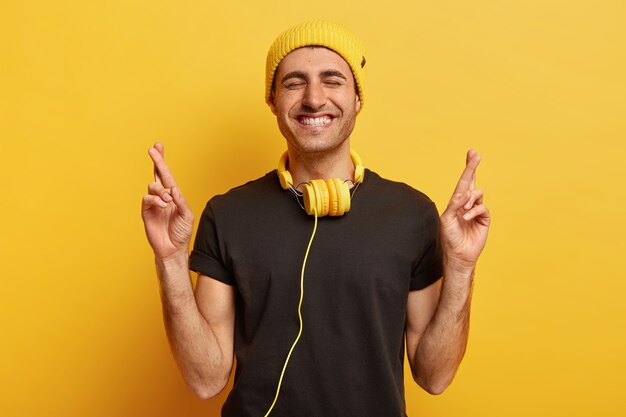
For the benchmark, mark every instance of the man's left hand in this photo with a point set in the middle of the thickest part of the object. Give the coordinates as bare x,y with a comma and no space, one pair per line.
465,222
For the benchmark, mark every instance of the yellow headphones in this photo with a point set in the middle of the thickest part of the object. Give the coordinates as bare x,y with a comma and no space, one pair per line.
324,197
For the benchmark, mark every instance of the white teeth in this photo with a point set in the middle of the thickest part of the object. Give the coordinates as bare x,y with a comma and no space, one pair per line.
315,121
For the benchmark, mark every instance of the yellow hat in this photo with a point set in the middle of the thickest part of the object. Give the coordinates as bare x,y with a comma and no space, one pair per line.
317,33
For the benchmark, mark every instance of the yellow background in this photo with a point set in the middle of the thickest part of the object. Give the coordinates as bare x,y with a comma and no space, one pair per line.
538,87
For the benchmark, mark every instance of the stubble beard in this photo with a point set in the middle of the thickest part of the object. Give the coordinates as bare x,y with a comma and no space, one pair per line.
316,141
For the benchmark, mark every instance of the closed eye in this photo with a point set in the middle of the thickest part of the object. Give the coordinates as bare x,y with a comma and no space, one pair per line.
294,79
293,85
333,83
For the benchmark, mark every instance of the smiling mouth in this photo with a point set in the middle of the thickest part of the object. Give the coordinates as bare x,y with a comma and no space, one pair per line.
315,121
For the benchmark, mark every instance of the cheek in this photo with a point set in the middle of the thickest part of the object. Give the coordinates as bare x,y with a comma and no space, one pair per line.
284,105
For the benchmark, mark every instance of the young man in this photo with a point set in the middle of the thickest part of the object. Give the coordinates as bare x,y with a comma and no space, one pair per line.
318,324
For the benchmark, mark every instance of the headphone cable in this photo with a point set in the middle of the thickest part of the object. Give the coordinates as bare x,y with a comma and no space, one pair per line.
306,255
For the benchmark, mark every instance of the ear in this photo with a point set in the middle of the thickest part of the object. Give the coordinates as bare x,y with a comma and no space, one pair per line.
271,103
358,103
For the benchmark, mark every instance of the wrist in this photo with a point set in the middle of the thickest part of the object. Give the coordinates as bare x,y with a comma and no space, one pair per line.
458,280
175,261
456,267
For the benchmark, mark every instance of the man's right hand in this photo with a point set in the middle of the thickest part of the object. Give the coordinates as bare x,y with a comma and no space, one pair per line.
167,218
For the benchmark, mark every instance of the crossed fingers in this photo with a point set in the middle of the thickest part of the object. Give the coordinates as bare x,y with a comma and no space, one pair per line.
162,174
466,197
468,177
159,191
474,206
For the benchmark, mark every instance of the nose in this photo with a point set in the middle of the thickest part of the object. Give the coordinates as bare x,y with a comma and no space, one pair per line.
314,96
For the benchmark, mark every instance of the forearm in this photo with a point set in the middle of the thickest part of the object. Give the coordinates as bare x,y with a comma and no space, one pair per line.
204,364
440,350
436,341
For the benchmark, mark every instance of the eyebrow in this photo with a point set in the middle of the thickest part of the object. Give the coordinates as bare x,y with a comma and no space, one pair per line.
333,73
323,74
294,74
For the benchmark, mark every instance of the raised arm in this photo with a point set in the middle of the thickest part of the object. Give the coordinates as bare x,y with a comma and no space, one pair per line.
438,316
199,326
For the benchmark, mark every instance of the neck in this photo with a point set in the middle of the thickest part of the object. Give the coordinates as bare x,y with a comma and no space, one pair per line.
305,167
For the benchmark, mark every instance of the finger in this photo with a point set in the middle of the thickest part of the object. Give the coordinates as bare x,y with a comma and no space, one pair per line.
468,157
164,176
150,201
476,196
456,202
480,213
181,205
469,173
159,147
154,188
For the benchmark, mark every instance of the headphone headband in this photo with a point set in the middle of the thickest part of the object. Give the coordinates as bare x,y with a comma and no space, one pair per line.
286,180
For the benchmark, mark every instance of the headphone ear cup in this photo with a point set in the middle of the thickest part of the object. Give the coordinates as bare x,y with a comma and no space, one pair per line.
309,198
316,197
333,198
330,197
344,192
322,191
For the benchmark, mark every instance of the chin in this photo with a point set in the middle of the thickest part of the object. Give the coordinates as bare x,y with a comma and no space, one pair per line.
316,147
308,140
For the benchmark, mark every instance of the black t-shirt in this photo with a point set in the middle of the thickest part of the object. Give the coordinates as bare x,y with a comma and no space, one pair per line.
360,269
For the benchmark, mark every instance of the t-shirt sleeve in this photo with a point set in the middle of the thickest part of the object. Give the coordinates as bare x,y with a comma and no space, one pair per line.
206,257
428,268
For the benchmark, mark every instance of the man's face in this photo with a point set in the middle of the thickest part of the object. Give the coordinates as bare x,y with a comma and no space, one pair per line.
314,99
